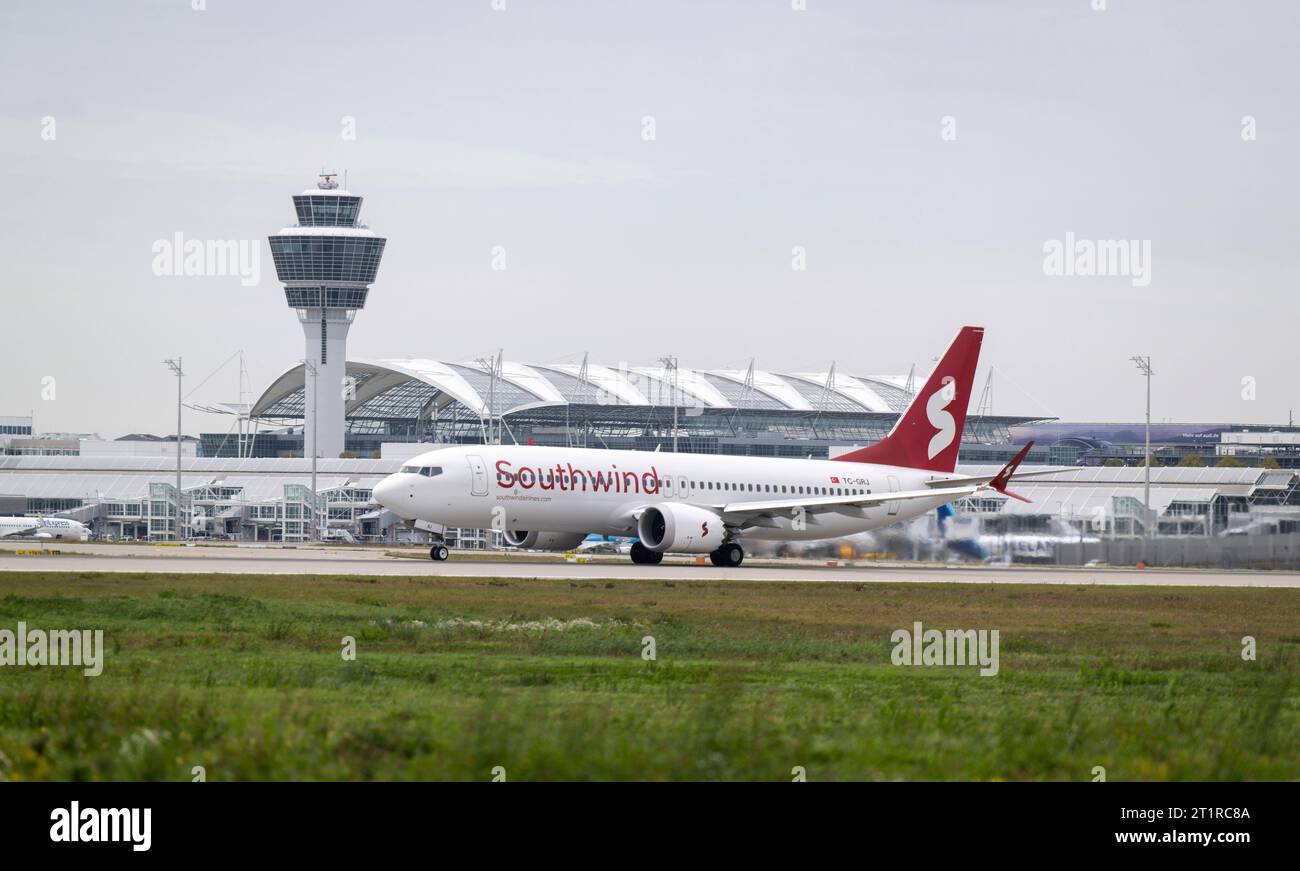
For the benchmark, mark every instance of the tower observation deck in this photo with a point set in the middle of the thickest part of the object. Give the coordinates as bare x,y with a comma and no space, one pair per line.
326,262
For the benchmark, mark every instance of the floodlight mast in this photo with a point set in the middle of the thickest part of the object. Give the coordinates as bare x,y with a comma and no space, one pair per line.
175,366
1144,364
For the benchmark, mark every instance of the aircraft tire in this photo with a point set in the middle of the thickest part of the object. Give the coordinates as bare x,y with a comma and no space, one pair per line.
644,556
729,556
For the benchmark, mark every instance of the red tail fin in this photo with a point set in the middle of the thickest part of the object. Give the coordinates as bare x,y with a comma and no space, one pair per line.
928,434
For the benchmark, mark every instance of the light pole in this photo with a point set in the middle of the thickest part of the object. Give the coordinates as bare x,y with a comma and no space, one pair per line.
1144,364
175,366
311,367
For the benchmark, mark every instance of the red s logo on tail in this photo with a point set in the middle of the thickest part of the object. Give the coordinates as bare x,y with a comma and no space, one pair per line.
940,419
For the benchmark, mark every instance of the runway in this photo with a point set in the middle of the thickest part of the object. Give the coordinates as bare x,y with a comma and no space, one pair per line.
307,560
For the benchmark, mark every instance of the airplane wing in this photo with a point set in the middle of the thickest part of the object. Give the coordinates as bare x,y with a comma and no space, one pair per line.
765,513
20,530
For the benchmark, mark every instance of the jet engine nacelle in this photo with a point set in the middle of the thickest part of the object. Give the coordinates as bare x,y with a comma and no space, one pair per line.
543,540
673,527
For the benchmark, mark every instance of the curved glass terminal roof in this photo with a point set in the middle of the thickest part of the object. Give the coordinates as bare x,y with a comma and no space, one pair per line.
390,389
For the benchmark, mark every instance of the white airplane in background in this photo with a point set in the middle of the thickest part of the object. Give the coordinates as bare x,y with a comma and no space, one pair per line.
551,498
43,528
1009,547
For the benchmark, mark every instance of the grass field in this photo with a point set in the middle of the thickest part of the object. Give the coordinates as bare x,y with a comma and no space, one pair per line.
243,675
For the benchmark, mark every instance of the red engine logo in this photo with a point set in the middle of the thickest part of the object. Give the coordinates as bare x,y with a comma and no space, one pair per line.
704,527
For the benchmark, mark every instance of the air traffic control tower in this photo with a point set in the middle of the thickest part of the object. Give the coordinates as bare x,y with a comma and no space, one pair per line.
327,262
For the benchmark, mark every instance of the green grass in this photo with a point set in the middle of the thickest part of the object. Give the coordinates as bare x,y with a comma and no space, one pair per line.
242,674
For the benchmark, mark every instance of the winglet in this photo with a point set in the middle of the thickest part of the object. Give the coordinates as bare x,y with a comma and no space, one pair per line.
1000,482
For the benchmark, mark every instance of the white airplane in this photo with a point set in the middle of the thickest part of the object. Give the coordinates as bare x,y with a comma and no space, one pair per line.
1022,546
551,498
43,528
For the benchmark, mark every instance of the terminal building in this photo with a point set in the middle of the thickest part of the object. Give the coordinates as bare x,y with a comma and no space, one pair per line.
664,407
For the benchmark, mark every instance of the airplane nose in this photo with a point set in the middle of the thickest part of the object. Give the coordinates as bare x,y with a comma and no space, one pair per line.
391,493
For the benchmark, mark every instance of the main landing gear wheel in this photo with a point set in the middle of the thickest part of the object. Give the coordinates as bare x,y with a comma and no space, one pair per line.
438,552
728,556
644,556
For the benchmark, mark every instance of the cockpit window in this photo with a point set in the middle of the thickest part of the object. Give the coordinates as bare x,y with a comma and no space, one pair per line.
426,471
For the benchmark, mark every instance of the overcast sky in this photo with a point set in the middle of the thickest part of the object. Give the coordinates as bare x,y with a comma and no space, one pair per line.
921,153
